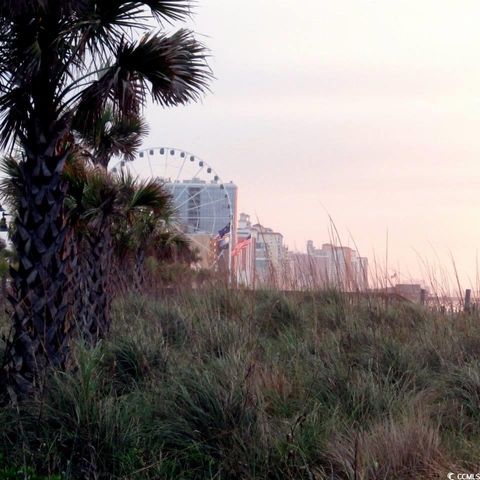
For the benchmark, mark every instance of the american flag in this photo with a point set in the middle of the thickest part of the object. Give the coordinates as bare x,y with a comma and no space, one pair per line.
241,245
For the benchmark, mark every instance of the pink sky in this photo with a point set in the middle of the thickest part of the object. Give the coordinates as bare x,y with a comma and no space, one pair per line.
369,110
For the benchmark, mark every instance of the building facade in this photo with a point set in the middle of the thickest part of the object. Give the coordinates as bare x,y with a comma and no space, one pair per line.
202,210
331,266
203,207
265,257
266,262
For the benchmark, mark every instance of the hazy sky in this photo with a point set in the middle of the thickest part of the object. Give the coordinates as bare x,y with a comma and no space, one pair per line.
369,110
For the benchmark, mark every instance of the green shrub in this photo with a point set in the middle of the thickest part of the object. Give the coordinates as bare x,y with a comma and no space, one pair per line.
461,398
207,422
212,384
274,312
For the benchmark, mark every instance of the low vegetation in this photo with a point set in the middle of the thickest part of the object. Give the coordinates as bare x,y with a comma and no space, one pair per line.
216,384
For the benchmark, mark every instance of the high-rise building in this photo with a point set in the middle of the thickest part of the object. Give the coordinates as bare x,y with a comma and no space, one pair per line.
244,255
308,272
333,265
203,207
270,253
202,210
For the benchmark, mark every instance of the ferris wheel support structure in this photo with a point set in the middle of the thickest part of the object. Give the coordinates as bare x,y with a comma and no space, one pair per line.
178,168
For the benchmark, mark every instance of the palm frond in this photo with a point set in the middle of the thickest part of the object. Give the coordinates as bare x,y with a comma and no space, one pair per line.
10,184
14,8
75,174
99,19
174,246
76,170
101,24
15,109
169,10
172,69
149,194
111,135
100,194
125,137
92,193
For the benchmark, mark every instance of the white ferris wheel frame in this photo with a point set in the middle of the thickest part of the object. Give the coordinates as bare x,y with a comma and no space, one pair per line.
185,159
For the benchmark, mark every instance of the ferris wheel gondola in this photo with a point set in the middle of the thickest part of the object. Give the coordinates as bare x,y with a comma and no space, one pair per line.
203,204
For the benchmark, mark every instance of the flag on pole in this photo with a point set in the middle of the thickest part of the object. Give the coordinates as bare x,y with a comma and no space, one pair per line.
223,237
224,231
241,245
223,243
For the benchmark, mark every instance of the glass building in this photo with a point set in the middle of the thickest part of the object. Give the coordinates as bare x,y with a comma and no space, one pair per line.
204,207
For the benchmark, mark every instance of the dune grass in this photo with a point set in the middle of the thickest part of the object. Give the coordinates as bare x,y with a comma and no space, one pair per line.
218,384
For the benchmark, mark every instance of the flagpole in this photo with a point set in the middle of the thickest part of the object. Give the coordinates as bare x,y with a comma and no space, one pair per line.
230,273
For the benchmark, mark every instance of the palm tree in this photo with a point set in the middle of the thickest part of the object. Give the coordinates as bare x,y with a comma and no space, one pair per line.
101,204
173,246
111,135
93,210
137,237
61,63
91,197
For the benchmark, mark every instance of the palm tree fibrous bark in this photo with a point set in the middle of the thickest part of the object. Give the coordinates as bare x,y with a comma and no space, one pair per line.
42,277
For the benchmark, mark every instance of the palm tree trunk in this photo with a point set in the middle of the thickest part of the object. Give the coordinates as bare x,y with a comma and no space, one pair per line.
139,270
41,282
98,267
81,300
120,281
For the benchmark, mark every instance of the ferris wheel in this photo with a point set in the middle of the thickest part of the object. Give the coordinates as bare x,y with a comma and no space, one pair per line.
204,205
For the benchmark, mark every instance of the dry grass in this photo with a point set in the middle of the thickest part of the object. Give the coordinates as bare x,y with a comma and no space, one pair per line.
409,448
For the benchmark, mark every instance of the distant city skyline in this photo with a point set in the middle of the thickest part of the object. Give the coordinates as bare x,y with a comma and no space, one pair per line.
362,110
